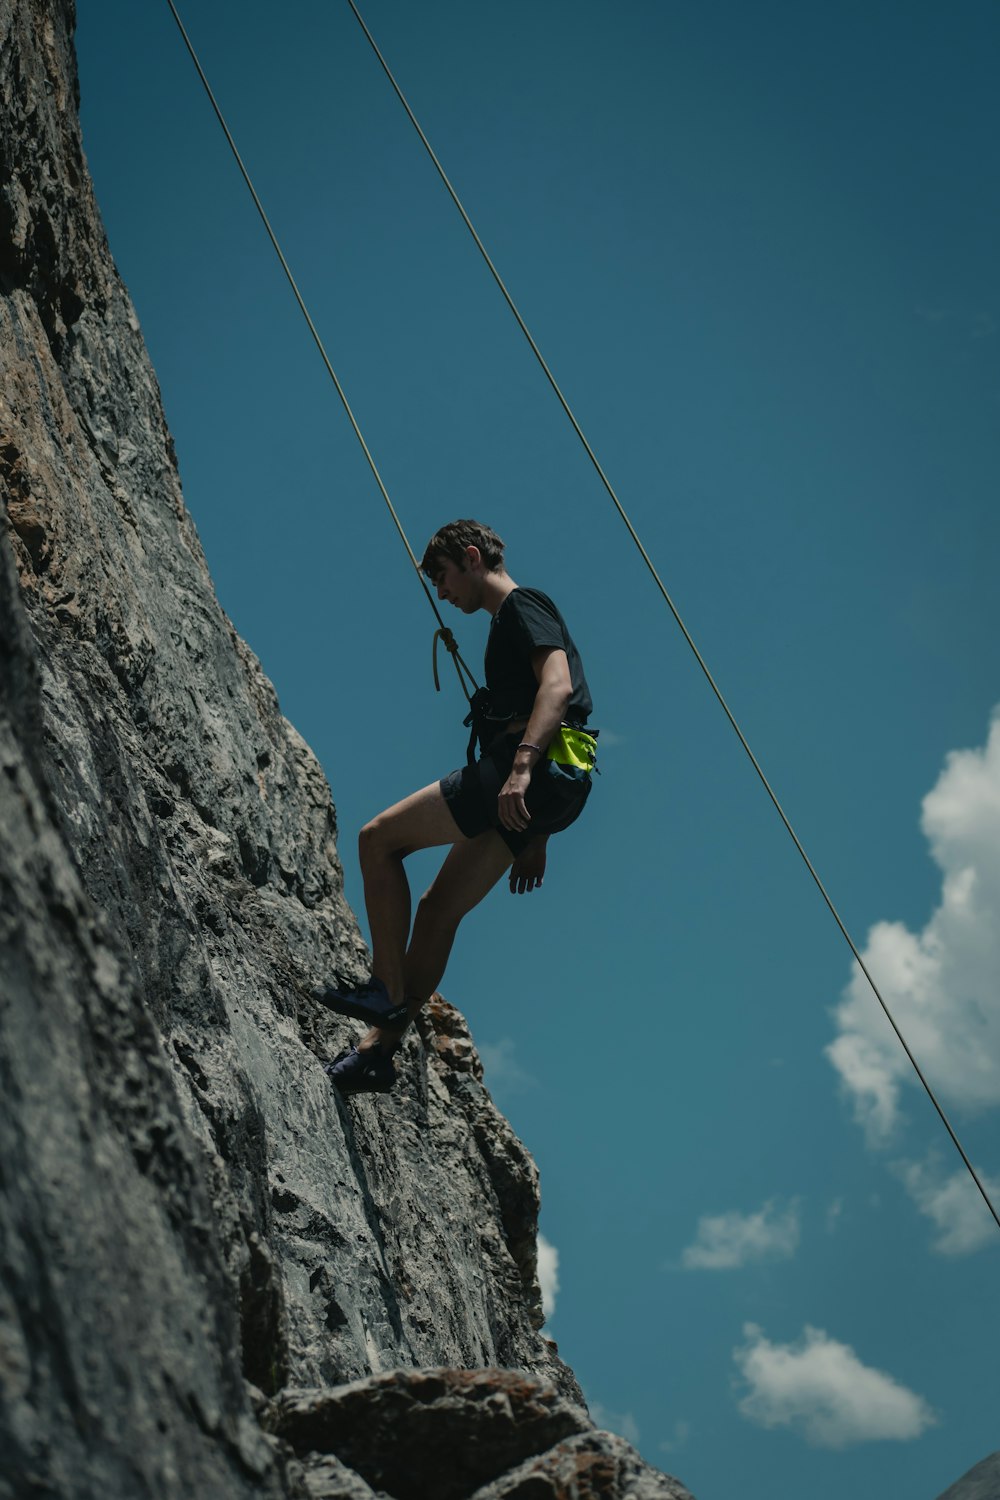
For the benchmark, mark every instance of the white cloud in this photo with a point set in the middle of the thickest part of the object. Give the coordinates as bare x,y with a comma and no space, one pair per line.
942,984
548,1274
621,1422
725,1242
501,1067
954,1204
677,1439
820,1388
833,1215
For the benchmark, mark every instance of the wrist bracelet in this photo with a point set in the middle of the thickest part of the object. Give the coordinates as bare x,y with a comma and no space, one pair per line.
527,745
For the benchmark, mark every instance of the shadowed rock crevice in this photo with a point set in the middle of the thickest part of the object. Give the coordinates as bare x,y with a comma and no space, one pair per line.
463,1427
459,1435
263,1333
196,1230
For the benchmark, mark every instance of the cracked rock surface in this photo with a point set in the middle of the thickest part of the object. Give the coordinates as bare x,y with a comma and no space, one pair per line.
481,1434
206,1257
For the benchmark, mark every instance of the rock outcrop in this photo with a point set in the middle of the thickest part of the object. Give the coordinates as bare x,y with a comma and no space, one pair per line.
217,1278
982,1482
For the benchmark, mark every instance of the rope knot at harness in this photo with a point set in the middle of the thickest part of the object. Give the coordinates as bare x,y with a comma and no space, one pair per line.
444,635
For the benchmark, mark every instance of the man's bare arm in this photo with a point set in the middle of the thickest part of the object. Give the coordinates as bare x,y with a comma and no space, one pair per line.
555,688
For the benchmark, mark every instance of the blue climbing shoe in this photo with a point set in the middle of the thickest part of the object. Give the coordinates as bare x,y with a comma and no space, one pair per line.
370,1072
365,1002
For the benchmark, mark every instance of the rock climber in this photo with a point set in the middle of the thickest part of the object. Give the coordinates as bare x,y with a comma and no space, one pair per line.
532,778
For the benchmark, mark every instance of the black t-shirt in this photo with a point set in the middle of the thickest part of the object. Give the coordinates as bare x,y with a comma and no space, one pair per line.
526,620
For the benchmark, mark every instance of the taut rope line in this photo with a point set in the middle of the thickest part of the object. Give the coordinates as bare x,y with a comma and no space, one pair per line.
672,607
442,631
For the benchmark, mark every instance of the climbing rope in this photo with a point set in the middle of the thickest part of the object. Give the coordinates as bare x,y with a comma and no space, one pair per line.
673,609
445,635
442,632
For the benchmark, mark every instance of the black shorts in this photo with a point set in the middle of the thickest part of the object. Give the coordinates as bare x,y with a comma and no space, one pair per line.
555,798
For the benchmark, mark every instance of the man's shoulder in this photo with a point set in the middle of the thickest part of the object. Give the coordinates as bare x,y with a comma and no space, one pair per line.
531,600
532,618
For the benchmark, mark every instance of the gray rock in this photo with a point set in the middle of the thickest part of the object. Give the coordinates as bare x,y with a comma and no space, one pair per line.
417,1433
326,1478
590,1466
982,1482
120,1363
192,1221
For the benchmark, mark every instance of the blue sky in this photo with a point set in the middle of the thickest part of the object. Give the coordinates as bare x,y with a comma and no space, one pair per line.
758,246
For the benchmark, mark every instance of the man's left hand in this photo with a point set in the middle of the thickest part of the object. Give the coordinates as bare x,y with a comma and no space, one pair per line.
528,869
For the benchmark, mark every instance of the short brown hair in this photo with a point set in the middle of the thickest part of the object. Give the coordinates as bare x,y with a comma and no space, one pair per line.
452,540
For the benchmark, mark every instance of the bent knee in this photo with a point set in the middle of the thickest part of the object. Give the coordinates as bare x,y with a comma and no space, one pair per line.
374,838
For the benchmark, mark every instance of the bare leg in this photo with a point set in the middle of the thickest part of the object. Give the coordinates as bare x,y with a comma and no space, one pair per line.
470,871
418,822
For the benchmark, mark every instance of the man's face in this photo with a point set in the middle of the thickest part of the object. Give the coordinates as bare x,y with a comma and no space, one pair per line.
459,584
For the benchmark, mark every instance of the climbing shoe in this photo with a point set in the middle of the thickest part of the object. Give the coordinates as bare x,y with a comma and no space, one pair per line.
370,1072
365,1002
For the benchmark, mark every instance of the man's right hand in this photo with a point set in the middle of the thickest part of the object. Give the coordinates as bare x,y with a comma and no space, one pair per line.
511,807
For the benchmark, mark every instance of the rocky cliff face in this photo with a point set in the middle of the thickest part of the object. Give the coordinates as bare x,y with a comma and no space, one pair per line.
982,1482
217,1278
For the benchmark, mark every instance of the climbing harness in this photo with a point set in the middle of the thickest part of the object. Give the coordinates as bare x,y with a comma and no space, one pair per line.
445,634
449,640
